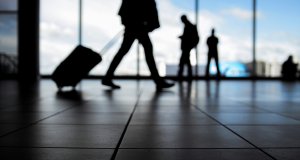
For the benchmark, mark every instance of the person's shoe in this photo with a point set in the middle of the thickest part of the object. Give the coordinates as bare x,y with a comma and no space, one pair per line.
163,85
109,83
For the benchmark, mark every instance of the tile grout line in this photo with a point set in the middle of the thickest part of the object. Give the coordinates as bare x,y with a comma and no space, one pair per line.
256,147
270,111
132,148
41,147
34,123
125,129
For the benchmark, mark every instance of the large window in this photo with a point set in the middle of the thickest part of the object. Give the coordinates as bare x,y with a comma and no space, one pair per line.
268,38
58,32
100,24
278,34
165,39
8,38
232,21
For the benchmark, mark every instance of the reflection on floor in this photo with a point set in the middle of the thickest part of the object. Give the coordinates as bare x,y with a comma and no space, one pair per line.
203,120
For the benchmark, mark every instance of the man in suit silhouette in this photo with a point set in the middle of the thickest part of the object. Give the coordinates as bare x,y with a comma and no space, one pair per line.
212,43
189,40
139,17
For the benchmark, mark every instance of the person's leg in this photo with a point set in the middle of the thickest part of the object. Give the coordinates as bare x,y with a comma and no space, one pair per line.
148,48
218,67
185,61
189,65
207,66
181,65
126,44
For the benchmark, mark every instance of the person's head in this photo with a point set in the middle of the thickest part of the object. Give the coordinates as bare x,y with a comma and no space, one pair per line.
184,18
290,58
213,31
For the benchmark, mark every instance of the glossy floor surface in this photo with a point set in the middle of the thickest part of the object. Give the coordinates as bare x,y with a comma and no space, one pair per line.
198,121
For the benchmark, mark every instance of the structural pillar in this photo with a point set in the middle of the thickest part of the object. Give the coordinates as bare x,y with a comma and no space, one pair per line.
28,40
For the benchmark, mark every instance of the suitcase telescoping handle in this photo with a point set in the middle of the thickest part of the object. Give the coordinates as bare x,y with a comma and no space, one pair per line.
111,42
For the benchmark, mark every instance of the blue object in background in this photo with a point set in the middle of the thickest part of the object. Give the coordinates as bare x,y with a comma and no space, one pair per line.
231,69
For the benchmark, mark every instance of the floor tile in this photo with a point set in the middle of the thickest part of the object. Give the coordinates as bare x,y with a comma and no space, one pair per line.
292,115
100,107
217,102
253,119
279,107
55,154
7,128
22,118
164,118
181,137
47,105
231,109
270,136
81,136
285,154
174,108
182,122
88,118
191,154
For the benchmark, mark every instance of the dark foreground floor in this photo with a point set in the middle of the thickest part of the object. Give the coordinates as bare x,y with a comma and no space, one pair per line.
233,120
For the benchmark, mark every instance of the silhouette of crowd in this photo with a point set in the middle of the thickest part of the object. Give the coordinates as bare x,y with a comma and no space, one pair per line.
140,17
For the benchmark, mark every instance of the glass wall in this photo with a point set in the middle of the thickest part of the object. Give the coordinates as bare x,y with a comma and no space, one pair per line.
278,35
166,39
8,5
8,38
58,32
100,24
232,21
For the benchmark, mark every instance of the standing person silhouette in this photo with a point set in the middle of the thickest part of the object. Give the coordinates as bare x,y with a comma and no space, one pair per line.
139,17
212,43
189,40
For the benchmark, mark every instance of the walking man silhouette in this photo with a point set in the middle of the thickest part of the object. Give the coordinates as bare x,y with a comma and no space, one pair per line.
212,43
139,17
189,40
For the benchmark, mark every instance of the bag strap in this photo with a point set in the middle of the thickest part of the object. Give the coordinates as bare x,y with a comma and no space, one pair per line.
111,42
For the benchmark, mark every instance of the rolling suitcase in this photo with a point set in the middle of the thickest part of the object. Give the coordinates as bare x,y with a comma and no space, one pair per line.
78,64
75,67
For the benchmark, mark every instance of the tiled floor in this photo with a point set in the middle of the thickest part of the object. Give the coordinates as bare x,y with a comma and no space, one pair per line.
203,120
